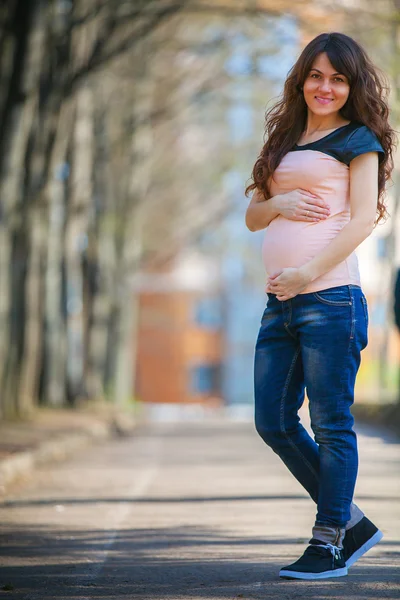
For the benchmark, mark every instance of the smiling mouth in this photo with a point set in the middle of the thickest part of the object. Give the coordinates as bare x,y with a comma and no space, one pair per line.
323,100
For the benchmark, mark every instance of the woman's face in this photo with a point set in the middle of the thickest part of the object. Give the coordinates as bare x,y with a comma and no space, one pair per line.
325,91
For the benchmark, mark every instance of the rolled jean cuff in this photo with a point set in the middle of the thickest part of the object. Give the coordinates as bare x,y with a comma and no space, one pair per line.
329,534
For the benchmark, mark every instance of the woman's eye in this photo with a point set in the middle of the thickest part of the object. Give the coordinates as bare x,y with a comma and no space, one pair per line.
316,75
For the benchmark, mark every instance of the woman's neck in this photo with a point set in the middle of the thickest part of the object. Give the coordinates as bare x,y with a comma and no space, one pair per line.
317,123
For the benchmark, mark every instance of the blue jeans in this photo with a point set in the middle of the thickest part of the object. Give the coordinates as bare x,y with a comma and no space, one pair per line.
313,341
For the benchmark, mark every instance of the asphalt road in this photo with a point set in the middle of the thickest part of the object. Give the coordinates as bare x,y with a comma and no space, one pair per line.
186,510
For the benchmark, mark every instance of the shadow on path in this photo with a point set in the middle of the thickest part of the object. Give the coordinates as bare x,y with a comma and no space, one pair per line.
177,562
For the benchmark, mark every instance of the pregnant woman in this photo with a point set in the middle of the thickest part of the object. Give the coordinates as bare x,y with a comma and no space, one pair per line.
319,186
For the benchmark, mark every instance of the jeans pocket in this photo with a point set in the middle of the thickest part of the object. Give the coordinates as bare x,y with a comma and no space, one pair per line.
338,296
365,307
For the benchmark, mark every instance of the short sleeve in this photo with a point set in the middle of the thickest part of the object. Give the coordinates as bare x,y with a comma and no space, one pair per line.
363,140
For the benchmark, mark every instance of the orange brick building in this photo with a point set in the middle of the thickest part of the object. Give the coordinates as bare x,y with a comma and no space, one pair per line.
180,340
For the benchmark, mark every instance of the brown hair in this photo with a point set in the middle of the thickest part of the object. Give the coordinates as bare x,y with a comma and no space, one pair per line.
367,104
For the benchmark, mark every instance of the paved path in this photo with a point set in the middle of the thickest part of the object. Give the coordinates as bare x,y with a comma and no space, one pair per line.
186,510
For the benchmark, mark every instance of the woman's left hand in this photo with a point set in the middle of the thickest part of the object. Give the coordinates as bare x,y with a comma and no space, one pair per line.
287,283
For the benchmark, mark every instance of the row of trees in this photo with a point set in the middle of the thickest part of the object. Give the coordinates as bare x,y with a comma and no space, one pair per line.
87,84
110,111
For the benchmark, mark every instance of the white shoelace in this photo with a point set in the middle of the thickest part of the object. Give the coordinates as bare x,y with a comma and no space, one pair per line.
335,550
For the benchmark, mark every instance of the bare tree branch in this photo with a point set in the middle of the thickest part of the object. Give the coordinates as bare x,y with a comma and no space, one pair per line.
158,17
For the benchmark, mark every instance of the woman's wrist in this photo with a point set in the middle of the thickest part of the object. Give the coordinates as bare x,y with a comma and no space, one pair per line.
277,203
308,273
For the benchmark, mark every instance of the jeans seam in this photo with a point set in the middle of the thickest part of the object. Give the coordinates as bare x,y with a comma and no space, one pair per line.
331,302
286,325
346,469
365,308
289,332
352,336
353,318
334,302
282,414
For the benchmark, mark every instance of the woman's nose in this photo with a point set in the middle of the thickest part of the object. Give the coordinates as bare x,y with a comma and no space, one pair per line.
325,86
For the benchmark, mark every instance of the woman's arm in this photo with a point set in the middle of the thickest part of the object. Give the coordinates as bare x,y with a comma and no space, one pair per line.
297,205
287,283
363,205
260,211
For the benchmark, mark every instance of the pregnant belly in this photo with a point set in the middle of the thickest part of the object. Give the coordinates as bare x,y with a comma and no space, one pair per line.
290,243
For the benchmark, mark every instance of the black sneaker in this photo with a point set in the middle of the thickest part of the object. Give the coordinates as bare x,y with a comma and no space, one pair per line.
319,561
359,539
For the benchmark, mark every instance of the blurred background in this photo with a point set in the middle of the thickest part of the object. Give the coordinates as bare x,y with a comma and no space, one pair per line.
129,130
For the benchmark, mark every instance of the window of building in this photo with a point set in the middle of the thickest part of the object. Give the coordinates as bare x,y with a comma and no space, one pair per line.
205,379
207,312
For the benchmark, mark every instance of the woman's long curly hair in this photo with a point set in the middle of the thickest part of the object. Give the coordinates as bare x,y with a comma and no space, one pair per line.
367,104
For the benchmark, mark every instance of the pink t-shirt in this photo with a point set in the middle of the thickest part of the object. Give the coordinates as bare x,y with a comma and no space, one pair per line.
322,168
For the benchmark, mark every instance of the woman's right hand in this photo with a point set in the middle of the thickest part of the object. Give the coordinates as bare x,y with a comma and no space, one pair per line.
300,205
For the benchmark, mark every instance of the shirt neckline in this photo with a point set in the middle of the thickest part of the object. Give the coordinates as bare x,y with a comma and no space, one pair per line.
324,137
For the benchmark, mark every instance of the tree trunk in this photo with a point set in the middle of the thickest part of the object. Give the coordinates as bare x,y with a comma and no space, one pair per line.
76,239
55,330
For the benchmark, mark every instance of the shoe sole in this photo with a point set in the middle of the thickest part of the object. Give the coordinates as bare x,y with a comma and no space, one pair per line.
364,548
297,575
